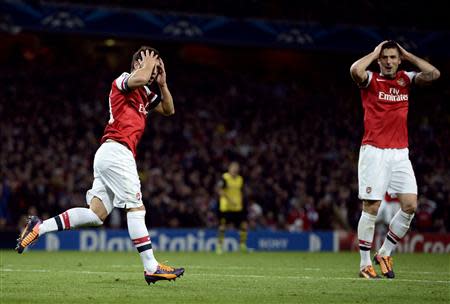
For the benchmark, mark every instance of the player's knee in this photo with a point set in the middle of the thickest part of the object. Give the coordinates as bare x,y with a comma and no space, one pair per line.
140,208
101,217
409,207
408,202
136,214
371,207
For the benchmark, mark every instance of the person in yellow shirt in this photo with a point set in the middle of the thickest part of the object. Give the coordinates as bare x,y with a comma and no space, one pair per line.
232,210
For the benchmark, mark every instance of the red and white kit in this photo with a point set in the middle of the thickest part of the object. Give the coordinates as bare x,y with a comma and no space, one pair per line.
384,163
116,180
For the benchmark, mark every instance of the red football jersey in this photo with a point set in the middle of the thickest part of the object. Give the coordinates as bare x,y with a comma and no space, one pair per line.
128,113
385,103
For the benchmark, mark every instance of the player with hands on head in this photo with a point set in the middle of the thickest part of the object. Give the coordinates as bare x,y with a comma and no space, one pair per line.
116,181
384,164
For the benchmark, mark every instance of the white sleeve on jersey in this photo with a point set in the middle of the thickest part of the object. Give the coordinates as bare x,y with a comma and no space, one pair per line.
150,93
121,82
369,78
411,75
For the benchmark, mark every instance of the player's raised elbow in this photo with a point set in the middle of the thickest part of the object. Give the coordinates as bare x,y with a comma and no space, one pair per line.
426,78
436,74
352,70
356,73
169,112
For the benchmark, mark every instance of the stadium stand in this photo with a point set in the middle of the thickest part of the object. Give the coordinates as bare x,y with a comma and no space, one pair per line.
296,130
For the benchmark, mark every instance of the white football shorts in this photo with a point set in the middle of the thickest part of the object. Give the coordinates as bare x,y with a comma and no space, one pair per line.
116,180
381,170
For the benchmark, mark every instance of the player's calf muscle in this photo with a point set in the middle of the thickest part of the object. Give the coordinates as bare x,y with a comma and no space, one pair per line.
99,209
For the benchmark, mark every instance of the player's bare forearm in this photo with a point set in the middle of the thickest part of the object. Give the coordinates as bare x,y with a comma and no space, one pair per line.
358,68
428,72
166,107
141,76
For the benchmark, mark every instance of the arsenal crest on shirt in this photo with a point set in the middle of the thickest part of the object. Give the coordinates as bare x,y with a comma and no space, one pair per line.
401,82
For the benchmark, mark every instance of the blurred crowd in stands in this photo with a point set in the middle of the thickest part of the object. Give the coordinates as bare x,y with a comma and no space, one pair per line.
296,137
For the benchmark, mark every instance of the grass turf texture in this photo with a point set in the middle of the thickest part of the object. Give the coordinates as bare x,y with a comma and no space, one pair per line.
81,277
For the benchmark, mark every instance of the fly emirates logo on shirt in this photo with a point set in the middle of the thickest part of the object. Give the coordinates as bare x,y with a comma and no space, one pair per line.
393,95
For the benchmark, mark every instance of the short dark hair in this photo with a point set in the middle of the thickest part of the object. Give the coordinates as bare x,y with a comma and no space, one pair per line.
390,44
137,55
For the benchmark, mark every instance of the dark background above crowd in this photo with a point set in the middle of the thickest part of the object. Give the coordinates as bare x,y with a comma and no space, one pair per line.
401,13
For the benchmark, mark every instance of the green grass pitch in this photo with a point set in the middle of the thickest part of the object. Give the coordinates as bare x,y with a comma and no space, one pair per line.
81,277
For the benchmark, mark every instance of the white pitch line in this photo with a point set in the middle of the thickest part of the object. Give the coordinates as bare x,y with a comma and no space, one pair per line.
58,271
251,276
32,270
192,267
425,272
314,278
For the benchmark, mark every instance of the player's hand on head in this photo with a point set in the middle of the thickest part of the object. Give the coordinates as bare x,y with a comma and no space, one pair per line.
161,78
148,59
404,54
377,49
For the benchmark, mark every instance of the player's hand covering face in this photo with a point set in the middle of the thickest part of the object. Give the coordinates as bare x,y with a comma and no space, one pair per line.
161,73
149,60
155,73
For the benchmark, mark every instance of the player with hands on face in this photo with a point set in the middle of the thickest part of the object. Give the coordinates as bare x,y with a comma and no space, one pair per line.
116,181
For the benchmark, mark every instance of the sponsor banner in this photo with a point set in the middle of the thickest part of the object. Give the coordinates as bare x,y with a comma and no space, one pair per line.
412,242
186,240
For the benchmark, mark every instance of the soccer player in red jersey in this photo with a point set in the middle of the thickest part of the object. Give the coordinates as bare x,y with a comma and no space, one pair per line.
116,181
384,163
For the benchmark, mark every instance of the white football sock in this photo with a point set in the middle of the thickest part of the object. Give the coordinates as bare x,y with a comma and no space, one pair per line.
72,218
397,230
366,229
141,239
